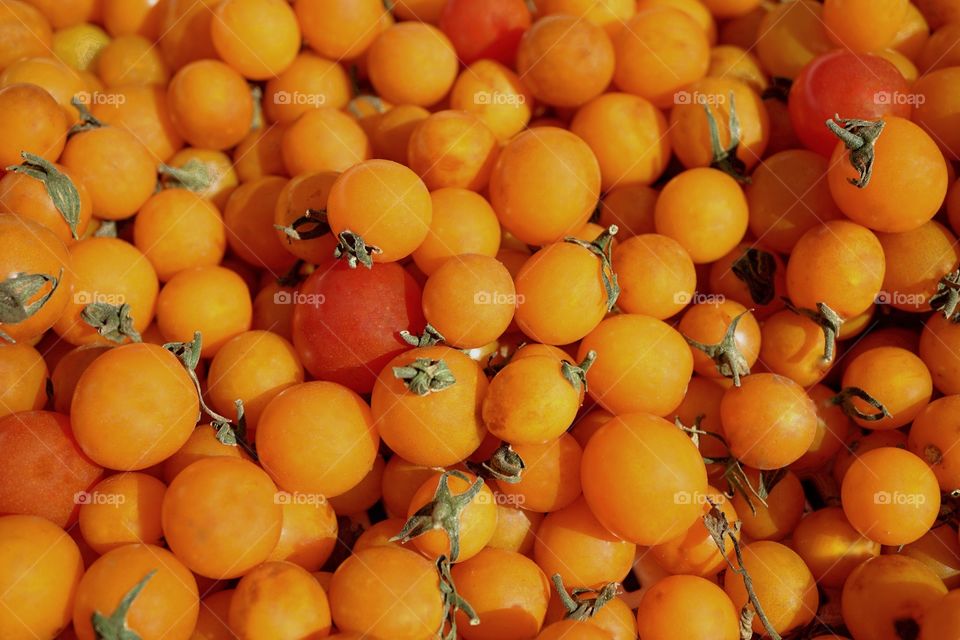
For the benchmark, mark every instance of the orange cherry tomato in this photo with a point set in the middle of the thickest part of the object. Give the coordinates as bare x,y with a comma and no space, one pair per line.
545,185
308,534
27,198
565,61
627,485
476,522
122,509
210,104
831,547
779,517
158,407
695,552
40,566
792,345
279,599
932,437
310,81
708,323
572,542
24,375
496,95
551,475
864,25
935,101
225,502
131,59
412,63
895,377
656,275
452,149
463,222
26,32
249,217
357,25
705,211
323,139
789,36
662,611
258,38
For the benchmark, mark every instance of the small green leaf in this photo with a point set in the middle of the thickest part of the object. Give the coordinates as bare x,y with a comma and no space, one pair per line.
193,176
59,187
187,352
113,322
17,291
115,627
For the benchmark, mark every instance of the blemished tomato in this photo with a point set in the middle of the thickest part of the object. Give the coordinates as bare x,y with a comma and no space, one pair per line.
436,428
865,87
123,509
889,593
166,607
40,566
346,322
630,490
545,185
890,496
642,364
899,196
317,438
933,436
158,407
363,594
629,137
565,61
662,613
572,542
704,210
769,421
681,57
895,377
485,30
279,599
221,517
45,469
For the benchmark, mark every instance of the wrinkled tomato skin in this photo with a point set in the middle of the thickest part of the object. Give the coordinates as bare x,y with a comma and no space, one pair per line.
485,28
865,87
347,322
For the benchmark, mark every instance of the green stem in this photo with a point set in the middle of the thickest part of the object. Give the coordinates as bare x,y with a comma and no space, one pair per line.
829,322
17,291
757,269
602,247
947,298
87,121
582,604
845,400
63,193
113,322
312,224
428,338
730,361
115,627
194,176
424,376
575,374
860,136
353,248
505,465
452,601
725,158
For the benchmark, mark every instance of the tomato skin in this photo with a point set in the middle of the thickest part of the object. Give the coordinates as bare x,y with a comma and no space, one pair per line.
354,332
842,83
485,28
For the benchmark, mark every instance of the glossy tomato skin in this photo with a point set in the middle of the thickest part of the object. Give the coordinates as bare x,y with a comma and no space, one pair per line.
842,83
485,28
347,322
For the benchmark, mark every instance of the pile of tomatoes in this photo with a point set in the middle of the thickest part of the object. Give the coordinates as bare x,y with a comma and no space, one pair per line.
479,319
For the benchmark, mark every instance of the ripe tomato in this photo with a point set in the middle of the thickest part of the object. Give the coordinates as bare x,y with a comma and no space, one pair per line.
317,438
122,509
131,59
783,584
221,517
695,552
452,149
356,21
784,508
656,275
33,122
489,30
889,594
545,185
898,197
210,104
363,594
863,25
565,61
158,407
916,261
705,211
865,87
279,599
308,534
336,142
495,94
572,542
708,324
662,613
895,377
642,364
27,198
40,566
933,436
240,29
308,82
791,35
24,376
890,495
463,222
792,345
831,547
346,322
630,490
412,63
551,475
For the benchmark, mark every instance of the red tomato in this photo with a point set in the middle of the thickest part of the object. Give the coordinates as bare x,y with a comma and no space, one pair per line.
485,28
347,322
842,83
